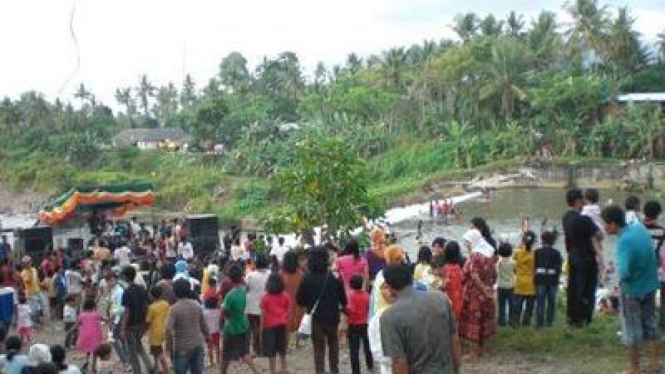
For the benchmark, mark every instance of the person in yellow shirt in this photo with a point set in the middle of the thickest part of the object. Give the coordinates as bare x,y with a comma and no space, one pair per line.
31,287
525,289
158,312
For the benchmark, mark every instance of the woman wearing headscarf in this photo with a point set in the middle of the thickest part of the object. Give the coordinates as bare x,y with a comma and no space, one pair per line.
376,257
393,254
477,321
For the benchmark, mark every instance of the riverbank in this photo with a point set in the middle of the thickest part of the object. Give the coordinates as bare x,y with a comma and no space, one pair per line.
239,200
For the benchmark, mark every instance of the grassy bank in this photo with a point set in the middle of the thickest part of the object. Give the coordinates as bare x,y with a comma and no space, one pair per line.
408,172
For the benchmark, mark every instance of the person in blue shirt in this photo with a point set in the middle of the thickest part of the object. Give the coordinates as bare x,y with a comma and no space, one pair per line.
5,248
7,303
638,281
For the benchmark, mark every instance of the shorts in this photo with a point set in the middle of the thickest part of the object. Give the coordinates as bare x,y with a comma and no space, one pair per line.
214,339
638,319
274,341
235,347
156,350
25,331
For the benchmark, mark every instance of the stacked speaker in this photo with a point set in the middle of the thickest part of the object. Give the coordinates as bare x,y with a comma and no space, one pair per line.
203,233
35,242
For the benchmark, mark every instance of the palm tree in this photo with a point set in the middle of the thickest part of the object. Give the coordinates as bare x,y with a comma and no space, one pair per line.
465,25
11,116
544,40
490,26
145,91
660,46
587,35
625,49
393,64
354,63
514,24
83,94
509,63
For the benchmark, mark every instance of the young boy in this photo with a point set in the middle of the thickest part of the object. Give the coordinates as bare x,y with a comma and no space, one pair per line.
547,263
592,210
274,304
70,317
236,325
356,310
212,315
505,269
156,320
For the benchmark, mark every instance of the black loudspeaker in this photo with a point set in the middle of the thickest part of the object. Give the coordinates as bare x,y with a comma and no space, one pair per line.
36,241
203,233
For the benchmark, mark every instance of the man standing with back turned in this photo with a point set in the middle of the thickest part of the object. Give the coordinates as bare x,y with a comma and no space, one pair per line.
638,282
583,261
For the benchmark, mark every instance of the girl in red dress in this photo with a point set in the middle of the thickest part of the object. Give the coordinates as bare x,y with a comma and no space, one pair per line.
450,273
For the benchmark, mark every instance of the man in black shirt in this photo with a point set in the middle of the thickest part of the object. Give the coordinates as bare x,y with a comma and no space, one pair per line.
135,304
653,209
579,232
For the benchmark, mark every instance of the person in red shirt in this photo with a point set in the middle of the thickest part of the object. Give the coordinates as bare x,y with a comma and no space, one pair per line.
357,307
448,267
275,306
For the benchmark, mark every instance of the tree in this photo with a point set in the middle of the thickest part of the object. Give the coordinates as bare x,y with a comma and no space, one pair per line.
544,40
145,91
124,97
233,73
188,92
86,97
660,47
587,35
514,24
624,48
166,103
354,63
465,25
325,186
393,64
11,116
490,26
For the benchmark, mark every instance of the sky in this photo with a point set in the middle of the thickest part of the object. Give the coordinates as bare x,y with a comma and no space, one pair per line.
118,40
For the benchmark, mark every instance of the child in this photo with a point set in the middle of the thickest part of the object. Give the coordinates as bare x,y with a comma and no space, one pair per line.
212,315
525,290
275,304
356,309
592,210
236,325
505,270
632,205
69,316
103,356
548,263
90,330
24,319
421,273
449,269
156,320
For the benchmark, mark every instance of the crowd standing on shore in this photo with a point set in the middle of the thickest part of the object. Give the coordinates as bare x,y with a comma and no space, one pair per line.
143,295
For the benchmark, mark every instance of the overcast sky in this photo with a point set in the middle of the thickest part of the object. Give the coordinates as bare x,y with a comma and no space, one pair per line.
121,39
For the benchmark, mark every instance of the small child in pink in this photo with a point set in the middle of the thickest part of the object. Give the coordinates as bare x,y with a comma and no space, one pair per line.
24,319
90,330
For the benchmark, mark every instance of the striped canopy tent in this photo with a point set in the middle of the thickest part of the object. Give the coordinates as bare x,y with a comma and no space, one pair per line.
114,199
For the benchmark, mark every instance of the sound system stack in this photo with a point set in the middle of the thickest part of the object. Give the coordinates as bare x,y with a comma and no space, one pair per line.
203,233
35,242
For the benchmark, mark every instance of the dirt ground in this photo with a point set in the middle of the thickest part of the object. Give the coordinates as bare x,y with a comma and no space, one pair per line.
301,360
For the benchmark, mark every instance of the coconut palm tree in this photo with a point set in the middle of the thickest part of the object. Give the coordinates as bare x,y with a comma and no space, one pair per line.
188,92
514,24
490,26
394,64
588,32
233,73
660,46
465,25
625,50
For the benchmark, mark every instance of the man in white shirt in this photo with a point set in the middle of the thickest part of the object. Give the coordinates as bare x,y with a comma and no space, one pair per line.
122,254
279,250
185,249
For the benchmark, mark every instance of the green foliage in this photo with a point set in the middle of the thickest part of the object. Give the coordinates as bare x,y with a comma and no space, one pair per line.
325,186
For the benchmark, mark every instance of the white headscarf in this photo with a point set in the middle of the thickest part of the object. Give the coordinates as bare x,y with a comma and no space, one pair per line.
478,243
39,353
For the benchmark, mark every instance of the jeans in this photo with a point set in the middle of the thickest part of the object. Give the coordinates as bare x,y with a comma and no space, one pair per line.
322,335
119,343
523,303
358,334
581,292
191,360
662,305
545,304
504,304
135,348
70,334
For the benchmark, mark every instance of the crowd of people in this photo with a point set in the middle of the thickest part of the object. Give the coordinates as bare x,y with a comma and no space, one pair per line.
139,300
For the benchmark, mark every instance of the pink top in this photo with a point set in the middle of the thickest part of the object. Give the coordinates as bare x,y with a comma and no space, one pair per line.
348,266
90,332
